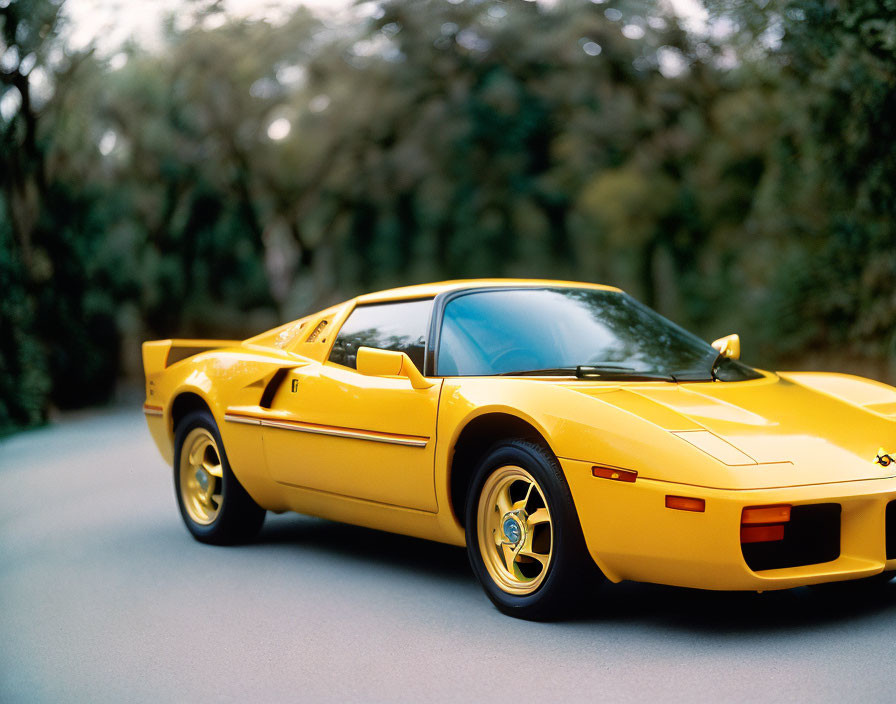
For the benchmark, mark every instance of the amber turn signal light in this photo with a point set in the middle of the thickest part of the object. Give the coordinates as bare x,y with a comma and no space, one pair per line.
763,524
761,534
686,503
620,475
765,514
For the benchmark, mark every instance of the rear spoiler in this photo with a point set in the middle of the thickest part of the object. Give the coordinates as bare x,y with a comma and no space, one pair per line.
161,354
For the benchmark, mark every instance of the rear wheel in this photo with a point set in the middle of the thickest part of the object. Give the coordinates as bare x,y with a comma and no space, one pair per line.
523,535
213,504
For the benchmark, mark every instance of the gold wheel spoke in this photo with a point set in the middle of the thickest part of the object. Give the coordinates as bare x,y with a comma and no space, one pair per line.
522,504
213,469
543,559
503,500
210,491
498,535
195,456
539,516
217,499
509,557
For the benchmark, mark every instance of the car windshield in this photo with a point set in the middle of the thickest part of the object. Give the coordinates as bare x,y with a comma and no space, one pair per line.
570,331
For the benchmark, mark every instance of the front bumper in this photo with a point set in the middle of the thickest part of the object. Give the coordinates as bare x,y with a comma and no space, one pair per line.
632,535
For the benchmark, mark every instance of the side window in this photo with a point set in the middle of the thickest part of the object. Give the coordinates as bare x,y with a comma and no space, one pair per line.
401,327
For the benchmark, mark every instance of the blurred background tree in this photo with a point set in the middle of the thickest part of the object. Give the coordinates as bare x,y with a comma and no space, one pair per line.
736,175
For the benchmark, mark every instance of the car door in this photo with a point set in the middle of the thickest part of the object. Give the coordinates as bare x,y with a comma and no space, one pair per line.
333,429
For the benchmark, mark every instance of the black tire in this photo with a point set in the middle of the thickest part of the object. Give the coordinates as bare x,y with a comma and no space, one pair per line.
570,571
238,518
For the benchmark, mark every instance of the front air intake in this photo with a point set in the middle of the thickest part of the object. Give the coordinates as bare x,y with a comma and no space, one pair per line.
809,537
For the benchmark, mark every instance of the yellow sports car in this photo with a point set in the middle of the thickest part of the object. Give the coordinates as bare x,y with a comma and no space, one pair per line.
549,426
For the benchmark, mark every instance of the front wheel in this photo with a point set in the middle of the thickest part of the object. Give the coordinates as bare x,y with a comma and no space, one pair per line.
523,535
213,504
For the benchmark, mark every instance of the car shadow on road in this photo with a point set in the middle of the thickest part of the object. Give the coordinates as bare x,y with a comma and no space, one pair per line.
724,613
706,612
366,545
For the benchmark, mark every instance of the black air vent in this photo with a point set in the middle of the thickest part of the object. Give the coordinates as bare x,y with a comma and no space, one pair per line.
267,398
811,536
317,331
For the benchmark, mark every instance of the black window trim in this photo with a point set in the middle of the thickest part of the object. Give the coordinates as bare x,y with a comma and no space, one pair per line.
426,338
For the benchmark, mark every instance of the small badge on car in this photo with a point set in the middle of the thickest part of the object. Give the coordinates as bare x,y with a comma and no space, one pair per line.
884,459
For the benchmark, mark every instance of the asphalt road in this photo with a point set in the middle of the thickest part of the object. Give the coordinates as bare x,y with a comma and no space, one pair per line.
105,597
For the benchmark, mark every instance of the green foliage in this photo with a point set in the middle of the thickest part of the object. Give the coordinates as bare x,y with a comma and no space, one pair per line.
24,383
826,208
247,172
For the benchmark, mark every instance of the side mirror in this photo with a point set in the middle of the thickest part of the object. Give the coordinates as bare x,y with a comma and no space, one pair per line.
373,362
728,346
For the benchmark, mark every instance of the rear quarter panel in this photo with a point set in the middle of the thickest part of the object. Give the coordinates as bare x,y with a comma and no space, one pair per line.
234,376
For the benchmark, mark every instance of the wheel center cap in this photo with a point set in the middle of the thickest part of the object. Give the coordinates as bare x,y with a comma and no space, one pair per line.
202,478
512,528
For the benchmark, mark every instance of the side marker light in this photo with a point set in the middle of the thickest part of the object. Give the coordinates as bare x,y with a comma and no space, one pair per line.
686,503
620,475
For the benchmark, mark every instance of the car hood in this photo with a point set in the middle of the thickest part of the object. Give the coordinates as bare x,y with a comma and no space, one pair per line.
783,431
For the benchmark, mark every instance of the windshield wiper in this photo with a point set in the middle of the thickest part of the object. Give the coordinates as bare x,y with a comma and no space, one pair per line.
589,371
618,372
553,371
699,372
719,358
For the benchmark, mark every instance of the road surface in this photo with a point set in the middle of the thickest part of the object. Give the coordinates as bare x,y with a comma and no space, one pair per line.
105,597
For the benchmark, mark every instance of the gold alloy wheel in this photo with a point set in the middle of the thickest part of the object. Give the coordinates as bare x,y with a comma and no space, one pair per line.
514,529
201,476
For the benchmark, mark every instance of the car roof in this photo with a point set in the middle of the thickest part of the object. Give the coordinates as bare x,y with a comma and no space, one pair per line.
290,331
434,289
